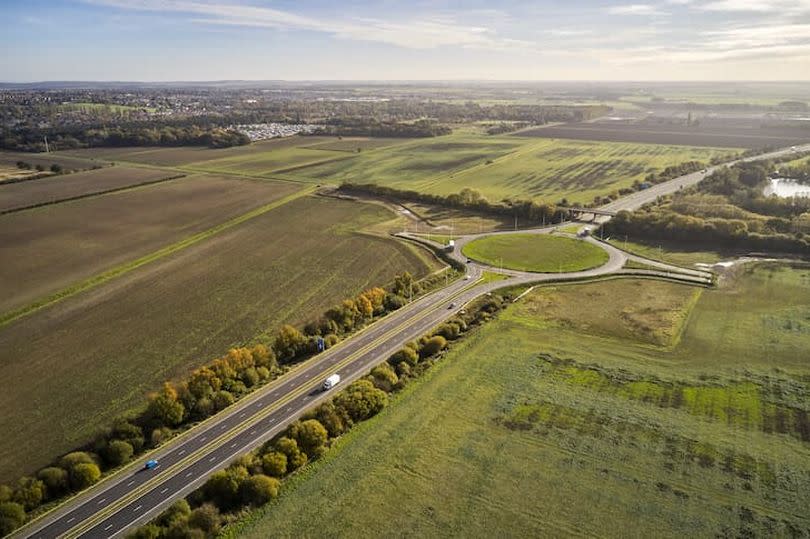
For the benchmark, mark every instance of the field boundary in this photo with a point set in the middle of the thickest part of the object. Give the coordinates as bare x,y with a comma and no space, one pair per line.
89,195
103,277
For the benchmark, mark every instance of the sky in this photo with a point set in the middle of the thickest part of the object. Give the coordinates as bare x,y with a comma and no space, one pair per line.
192,40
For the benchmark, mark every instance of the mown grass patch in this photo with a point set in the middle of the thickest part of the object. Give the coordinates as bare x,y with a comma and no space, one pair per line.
540,253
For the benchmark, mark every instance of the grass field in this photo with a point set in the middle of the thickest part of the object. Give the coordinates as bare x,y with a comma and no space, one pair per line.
560,420
413,165
576,170
47,249
673,253
507,166
60,187
536,252
352,144
79,363
267,162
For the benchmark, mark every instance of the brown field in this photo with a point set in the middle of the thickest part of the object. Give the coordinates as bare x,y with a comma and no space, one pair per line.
48,249
79,363
719,134
186,155
68,162
61,187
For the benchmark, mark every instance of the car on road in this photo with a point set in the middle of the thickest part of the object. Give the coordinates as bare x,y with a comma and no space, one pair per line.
150,464
467,277
451,306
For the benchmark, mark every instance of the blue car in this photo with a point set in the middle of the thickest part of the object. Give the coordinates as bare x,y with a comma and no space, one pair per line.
150,464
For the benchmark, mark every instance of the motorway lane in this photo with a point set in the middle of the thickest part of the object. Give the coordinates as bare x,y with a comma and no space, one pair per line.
106,494
635,200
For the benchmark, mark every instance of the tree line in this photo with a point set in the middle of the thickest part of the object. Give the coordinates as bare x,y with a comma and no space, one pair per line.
371,127
726,208
256,478
206,391
468,199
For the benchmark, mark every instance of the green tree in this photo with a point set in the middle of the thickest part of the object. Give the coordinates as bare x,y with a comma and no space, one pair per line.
258,489
222,489
206,518
165,408
30,493
118,452
179,511
289,343
295,458
84,475
433,346
383,377
150,531
222,399
310,435
77,457
334,418
361,400
124,430
274,464
407,354
12,516
55,479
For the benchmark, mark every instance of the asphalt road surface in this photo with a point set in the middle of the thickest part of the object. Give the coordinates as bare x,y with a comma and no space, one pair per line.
134,496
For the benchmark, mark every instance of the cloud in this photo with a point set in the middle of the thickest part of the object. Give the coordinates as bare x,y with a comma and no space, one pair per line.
417,33
635,9
758,6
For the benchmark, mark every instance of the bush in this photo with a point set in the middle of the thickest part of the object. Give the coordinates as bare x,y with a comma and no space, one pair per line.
124,430
361,400
222,489
118,452
5,493
407,354
335,419
383,377
274,464
433,346
206,518
222,399
295,458
55,479
258,489
84,475
150,531
310,436
179,511
29,493
77,457
165,409
12,516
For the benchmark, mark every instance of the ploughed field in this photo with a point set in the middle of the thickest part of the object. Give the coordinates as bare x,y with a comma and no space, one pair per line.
15,196
709,132
56,246
72,367
580,409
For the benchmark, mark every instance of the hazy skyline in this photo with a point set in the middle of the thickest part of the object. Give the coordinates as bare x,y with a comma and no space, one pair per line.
516,40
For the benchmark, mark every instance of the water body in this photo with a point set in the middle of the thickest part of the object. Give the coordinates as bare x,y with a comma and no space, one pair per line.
784,187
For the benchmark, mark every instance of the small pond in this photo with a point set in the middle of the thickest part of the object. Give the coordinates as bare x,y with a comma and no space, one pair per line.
784,187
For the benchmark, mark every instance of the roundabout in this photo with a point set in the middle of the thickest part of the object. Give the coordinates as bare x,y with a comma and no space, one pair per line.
535,253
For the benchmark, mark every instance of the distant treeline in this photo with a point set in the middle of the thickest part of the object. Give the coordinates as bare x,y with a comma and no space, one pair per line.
193,135
369,127
470,199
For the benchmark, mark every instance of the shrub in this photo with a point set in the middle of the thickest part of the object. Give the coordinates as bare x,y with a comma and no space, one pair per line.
55,480
84,475
30,492
179,511
407,354
12,516
383,377
150,531
274,464
165,407
333,418
222,489
124,430
118,452
222,399
295,458
361,400
206,518
258,489
77,457
433,346
310,435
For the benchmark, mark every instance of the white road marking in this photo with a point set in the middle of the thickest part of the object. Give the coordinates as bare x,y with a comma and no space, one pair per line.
130,483
71,519
102,500
164,490
242,414
252,432
233,444
137,509
223,426
181,451
212,459
204,438
189,474
108,527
